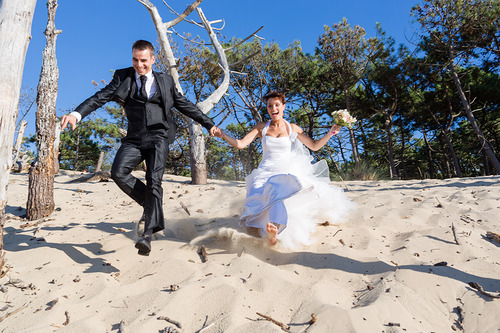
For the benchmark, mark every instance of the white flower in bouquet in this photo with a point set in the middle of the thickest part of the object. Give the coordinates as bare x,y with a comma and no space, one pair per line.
343,118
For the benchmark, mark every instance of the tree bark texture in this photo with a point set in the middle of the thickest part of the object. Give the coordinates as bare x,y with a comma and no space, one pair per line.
197,154
99,162
41,175
16,17
57,141
19,141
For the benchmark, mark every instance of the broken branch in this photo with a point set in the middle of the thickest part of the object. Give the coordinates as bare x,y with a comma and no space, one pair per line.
482,291
176,323
454,233
202,251
13,312
185,208
274,321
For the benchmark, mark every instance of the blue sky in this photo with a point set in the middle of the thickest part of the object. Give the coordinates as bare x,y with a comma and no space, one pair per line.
97,34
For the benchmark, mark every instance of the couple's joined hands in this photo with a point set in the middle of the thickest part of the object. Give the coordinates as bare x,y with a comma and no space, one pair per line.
71,120
216,131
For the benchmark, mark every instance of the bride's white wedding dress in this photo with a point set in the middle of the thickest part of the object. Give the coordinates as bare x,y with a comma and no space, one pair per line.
289,190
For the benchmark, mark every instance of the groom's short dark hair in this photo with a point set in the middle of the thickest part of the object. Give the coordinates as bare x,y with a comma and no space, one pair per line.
143,45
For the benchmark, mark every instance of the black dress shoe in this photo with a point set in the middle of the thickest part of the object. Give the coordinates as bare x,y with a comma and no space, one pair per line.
144,245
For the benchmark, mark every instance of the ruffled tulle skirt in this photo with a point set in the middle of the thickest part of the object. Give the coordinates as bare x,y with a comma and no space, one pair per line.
296,194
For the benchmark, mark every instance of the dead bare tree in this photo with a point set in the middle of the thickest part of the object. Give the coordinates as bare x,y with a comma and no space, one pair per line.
15,33
197,141
41,175
19,140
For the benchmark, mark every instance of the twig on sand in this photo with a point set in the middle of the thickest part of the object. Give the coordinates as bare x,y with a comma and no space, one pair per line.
202,251
439,205
493,236
66,313
336,232
454,233
460,318
4,272
204,329
481,290
175,322
13,312
274,321
185,208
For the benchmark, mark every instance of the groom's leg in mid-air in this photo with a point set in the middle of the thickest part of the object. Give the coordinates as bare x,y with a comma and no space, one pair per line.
126,159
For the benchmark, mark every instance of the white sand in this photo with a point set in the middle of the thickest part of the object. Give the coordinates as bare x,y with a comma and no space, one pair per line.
375,273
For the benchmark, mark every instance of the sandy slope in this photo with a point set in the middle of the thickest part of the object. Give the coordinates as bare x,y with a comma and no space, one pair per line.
375,273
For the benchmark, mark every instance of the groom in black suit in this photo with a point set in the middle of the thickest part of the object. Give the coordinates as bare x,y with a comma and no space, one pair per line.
147,97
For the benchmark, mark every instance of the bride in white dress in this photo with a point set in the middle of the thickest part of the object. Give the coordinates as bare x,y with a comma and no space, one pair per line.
287,195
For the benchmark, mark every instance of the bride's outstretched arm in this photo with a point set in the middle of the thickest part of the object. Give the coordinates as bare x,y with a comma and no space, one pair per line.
315,144
240,143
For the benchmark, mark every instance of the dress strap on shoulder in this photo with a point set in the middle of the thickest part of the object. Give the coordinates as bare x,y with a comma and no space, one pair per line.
264,130
290,131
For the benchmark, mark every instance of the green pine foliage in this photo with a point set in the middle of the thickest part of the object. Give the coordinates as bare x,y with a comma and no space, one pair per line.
411,120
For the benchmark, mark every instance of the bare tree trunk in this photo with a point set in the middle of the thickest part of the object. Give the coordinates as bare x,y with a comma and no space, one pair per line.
19,141
197,154
57,141
16,17
446,158
403,170
41,175
99,162
472,120
451,149
354,144
390,146
429,155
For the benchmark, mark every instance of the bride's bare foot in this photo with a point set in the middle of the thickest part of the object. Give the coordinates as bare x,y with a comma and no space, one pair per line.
272,232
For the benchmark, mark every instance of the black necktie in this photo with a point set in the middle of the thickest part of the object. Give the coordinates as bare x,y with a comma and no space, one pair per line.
143,86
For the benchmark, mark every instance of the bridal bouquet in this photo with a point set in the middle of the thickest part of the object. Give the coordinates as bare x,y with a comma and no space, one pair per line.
343,118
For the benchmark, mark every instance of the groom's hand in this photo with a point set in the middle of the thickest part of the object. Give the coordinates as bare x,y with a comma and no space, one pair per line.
68,119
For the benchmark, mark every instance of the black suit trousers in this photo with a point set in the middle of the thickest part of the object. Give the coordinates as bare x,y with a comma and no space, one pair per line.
154,151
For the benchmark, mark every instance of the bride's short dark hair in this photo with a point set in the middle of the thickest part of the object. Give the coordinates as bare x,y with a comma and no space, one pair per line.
274,94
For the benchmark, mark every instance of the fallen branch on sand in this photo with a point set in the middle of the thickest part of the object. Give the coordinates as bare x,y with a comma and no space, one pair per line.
460,319
202,251
66,313
205,329
454,233
481,290
171,321
274,321
493,236
13,312
101,176
185,208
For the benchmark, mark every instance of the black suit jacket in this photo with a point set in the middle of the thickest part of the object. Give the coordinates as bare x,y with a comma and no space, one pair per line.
118,90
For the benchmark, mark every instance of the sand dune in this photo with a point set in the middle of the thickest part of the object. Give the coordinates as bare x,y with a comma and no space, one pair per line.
393,267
